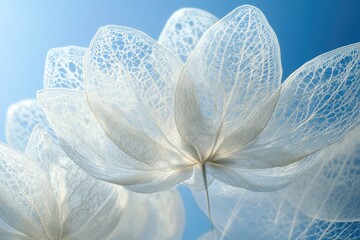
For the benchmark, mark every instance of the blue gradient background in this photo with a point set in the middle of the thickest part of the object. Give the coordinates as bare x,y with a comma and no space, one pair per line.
305,29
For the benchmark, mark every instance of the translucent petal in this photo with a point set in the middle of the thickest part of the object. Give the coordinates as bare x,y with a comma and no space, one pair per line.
331,190
21,118
230,84
8,232
130,84
164,219
89,146
184,29
241,214
39,149
260,179
64,68
318,104
27,202
90,208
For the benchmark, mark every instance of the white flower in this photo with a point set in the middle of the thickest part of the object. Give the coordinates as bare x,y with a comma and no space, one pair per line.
44,195
149,122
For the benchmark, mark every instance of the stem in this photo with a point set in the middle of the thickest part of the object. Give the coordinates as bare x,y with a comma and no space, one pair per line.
203,170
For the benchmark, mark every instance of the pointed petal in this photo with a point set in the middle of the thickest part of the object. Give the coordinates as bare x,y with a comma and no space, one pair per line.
184,29
330,190
39,149
319,103
28,203
229,85
242,214
21,118
130,86
64,68
85,142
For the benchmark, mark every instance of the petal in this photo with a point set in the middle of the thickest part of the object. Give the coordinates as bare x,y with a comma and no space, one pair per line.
332,190
229,85
241,214
39,149
64,68
8,232
260,179
184,29
130,86
319,103
91,209
85,142
27,202
21,118
164,217
164,222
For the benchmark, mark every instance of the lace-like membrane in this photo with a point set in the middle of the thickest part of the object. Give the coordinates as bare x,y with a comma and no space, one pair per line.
27,201
231,79
21,118
184,29
64,68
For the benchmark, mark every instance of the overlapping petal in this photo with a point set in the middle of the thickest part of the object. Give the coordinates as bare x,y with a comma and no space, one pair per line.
93,209
184,29
130,86
86,203
230,84
82,138
27,202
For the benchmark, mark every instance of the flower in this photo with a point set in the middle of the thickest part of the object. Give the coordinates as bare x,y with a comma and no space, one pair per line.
46,196
148,122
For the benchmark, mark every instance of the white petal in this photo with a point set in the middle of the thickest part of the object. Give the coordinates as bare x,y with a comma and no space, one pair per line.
64,68
130,84
164,217
229,86
331,190
318,104
40,149
27,202
260,179
88,146
241,214
8,232
21,118
184,29
91,209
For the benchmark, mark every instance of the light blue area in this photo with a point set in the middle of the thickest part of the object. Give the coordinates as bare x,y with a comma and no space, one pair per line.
305,29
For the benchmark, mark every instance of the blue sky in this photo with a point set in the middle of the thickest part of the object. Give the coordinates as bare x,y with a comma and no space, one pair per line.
305,29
